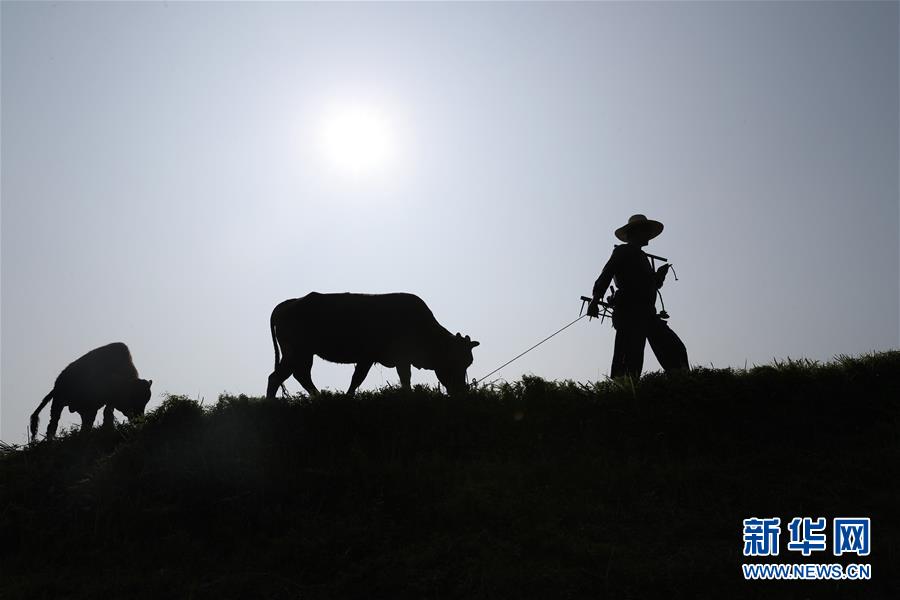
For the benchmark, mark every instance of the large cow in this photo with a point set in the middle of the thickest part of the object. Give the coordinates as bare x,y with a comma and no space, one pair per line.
396,330
104,376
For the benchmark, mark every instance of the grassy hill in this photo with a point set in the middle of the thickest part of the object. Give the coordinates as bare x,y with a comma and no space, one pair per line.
529,490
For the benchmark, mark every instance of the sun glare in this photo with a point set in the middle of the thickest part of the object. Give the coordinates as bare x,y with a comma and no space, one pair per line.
358,141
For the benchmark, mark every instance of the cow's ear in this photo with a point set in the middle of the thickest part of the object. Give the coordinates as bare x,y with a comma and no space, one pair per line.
149,383
472,343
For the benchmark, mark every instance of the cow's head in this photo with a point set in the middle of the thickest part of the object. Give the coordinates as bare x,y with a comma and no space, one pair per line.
137,398
455,360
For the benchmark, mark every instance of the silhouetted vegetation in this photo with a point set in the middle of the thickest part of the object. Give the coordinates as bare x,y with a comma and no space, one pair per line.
533,489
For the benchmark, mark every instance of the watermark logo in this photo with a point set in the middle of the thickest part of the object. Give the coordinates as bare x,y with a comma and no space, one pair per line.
806,535
761,536
852,536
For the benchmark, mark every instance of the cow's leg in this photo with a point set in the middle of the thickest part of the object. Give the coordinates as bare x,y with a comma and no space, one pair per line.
87,420
303,373
55,411
403,370
108,419
276,379
359,374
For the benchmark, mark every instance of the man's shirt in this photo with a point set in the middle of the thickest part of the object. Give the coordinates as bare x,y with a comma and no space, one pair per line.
635,279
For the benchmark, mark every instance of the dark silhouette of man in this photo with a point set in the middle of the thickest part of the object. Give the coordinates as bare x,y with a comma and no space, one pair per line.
634,303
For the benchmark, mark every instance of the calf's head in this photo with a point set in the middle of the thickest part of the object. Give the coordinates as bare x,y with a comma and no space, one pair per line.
137,397
456,358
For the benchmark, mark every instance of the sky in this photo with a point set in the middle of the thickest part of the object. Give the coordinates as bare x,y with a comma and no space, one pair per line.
169,172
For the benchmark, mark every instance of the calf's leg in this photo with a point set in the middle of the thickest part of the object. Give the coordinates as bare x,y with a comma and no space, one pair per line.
359,374
108,419
87,420
55,411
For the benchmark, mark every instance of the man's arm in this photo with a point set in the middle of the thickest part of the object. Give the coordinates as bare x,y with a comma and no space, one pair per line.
601,285
606,276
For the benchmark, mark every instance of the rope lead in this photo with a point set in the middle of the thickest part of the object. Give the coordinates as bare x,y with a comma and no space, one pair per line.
475,382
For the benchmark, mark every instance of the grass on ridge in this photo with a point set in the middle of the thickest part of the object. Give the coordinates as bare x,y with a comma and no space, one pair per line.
531,489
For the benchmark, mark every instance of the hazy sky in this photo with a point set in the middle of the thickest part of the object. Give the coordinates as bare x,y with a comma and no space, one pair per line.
170,172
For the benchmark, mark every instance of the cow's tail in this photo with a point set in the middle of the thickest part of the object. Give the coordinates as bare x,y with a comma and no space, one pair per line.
274,339
35,416
284,391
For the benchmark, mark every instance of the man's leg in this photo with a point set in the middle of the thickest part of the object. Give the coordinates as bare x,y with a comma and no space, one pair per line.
628,352
634,352
617,369
667,346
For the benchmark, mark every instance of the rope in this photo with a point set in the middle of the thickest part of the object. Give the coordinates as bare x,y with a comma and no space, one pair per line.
475,382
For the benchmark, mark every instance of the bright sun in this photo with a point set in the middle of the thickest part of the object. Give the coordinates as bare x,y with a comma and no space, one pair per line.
358,140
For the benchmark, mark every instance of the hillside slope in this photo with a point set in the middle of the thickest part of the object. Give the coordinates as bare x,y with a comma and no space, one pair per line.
529,490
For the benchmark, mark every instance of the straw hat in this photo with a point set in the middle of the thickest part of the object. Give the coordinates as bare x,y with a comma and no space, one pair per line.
639,224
